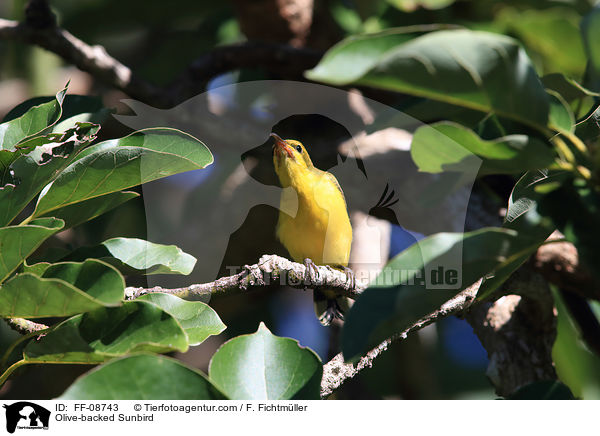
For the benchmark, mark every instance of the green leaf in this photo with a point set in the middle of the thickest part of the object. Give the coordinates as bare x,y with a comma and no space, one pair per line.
522,216
588,128
353,57
550,34
447,146
136,256
522,202
20,109
523,212
96,278
150,257
63,289
72,104
119,164
141,377
477,70
412,5
590,30
46,143
75,108
198,320
29,173
36,269
262,366
419,280
580,99
104,333
543,390
31,123
561,117
87,210
18,242
81,108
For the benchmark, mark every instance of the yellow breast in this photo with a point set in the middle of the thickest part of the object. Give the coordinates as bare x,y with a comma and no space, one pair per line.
321,229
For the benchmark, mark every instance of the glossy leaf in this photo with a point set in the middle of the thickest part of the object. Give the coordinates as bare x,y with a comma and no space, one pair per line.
75,108
561,117
477,70
449,146
20,109
580,99
198,320
353,57
141,157
87,210
590,26
18,242
29,173
262,366
148,256
419,280
142,377
63,289
96,278
104,333
81,108
551,35
33,122
588,128
136,256
37,269
72,105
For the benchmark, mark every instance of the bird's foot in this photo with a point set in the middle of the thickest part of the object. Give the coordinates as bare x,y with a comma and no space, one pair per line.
333,311
351,278
311,274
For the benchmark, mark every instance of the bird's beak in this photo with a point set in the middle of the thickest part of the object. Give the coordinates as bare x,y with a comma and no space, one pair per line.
280,144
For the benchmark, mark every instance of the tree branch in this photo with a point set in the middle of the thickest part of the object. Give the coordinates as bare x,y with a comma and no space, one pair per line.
96,61
336,371
270,270
92,59
559,263
270,56
518,331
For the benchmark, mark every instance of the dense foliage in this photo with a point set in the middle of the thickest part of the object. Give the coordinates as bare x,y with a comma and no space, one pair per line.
493,107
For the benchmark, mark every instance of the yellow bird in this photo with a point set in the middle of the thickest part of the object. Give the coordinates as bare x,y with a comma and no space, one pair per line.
320,232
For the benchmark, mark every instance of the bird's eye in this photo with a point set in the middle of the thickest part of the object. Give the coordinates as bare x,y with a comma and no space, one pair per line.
299,149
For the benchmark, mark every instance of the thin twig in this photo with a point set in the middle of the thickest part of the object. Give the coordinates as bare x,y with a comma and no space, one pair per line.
336,371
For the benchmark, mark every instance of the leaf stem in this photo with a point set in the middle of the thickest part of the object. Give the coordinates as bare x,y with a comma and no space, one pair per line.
10,370
578,143
563,150
553,241
14,345
27,220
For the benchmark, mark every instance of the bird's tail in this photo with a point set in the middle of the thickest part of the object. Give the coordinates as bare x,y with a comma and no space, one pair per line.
329,305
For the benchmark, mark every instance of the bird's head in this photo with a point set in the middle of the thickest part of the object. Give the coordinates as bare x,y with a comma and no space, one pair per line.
290,159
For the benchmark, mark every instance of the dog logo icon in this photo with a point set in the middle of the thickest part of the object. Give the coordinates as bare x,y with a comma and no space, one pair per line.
26,415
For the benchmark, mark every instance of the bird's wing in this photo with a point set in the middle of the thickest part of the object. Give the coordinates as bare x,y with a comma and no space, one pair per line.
332,178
